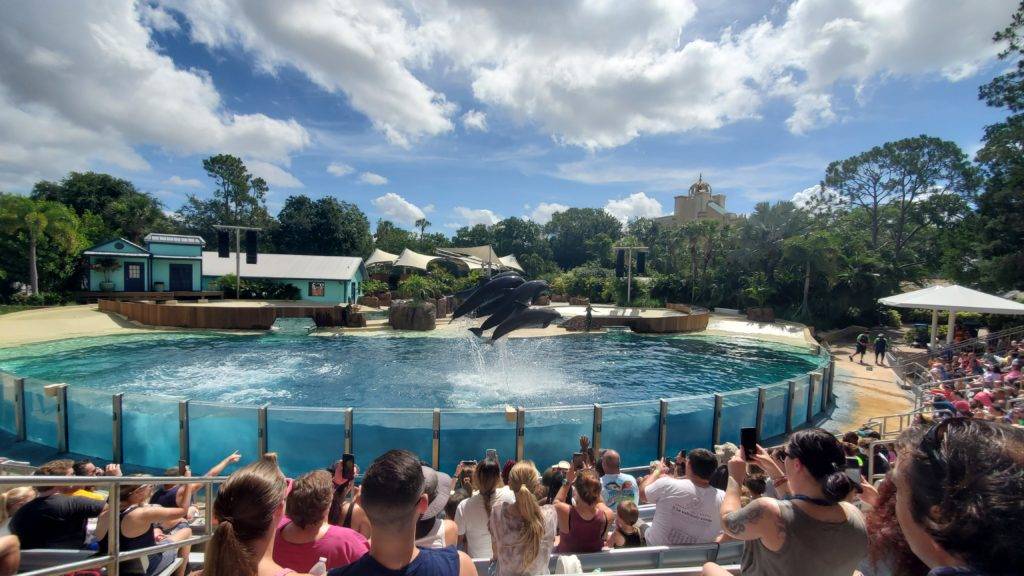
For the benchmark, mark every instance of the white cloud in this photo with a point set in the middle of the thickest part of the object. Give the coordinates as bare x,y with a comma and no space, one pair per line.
339,169
637,205
398,209
817,199
273,174
82,83
541,214
373,179
184,182
428,208
156,18
472,217
475,120
810,111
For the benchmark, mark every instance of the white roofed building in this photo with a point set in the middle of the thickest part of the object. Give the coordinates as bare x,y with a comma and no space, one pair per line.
328,279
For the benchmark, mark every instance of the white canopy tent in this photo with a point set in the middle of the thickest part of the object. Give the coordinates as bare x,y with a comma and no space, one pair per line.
511,262
955,299
380,257
411,259
485,254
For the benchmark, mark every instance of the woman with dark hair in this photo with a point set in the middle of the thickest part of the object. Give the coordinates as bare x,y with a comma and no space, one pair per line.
583,525
345,511
812,532
888,551
960,496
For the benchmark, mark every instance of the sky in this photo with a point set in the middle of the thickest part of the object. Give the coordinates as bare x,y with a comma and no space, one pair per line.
469,111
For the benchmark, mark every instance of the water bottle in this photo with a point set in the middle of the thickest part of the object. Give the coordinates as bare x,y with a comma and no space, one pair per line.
320,568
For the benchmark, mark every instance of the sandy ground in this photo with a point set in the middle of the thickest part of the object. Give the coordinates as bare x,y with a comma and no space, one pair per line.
47,324
863,391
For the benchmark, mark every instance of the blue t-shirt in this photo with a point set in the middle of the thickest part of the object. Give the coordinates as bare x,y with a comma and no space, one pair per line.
429,562
617,488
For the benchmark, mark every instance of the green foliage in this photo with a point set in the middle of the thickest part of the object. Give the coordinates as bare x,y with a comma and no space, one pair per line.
256,289
758,289
670,288
38,225
239,199
597,284
418,288
326,227
41,299
372,286
106,266
581,235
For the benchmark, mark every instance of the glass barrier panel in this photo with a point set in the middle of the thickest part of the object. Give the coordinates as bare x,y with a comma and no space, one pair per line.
305,439
375,431
690,422
631,429
90,422
799,417
40,413
819,397
739,410
774,423
150,429
553,433
216,430
467,435
7,403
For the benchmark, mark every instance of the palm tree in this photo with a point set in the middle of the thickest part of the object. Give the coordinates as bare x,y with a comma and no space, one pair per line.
423,224
37,219
815,252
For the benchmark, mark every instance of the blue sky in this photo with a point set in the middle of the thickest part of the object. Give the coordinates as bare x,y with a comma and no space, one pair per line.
464,112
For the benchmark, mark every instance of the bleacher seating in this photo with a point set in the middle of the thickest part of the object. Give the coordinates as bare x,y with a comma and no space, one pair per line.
643,560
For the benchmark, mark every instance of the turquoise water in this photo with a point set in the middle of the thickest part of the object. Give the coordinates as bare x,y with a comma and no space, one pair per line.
390,371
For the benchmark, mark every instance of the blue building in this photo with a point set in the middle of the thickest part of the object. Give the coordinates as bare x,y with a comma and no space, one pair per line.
326,279
167,263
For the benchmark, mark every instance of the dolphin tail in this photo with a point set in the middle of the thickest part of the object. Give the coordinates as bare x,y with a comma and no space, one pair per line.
477,331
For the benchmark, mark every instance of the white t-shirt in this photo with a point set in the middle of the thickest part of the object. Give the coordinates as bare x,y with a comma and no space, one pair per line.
683,513
471,518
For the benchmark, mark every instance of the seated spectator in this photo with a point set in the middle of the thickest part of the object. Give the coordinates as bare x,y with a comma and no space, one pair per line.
305,536
755,485
345,510
615,486
686,510
474,513
888,551
959,489
582,525
881,465
138,524
247,511
10,555
452,507
171,495
626,533
523,532
394,498
552,481
55,519
10,502
433,530
87,468
813,532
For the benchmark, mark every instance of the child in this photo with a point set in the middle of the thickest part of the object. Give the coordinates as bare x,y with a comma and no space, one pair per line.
626,534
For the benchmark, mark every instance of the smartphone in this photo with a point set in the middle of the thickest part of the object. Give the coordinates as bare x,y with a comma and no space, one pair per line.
748,439
853,471
182,468
348,466
577,460
492,454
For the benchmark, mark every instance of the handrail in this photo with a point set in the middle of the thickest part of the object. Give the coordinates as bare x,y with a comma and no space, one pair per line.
989,337
114,556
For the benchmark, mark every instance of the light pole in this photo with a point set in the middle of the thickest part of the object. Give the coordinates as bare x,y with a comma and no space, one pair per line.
238,253
629,250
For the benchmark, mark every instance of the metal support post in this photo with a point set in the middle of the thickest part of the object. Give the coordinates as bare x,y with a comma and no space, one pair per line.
596,436
831,380
20,428
811,380
435,451
790,398
662,427
114,544
117,450
261,430
60,392
762,397
183,453
520,433
716,427
348,430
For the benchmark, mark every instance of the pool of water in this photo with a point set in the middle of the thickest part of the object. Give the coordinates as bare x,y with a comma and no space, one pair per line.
413,371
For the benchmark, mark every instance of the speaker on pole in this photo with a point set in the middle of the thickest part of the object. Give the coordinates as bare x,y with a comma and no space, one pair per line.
252,241
620,263
641,263
223,244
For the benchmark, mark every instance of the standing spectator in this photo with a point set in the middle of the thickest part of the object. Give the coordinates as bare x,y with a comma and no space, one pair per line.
960,496
433,531
582,526
686,510
305,536
10,502
55,519
474,513
812,533
862,347
523,531
881,345
394,498
617,487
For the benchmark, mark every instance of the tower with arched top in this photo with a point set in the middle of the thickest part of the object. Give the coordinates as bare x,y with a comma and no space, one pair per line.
699,203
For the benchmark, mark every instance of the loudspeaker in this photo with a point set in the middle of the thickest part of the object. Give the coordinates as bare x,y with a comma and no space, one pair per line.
641,263
223,243
252,241
620,263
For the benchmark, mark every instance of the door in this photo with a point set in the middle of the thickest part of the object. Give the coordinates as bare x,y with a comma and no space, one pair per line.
134,277
181,277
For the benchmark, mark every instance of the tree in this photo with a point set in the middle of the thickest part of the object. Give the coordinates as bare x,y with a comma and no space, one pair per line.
575,235
37,220
326,226
239,199
765,230
423,224
815,253
476,235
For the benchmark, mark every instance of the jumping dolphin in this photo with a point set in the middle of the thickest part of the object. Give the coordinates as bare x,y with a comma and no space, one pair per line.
526,293
505,306
463,294
485,293
508,309
529,318
493,305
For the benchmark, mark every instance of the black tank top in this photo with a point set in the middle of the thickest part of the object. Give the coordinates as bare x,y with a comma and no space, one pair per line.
129,543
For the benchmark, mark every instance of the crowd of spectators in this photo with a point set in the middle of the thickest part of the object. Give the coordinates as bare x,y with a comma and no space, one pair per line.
985,386
950,491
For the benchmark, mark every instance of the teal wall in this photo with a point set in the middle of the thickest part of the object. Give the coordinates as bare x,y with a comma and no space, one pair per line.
111,246
175,249
117,276
162,271
334,290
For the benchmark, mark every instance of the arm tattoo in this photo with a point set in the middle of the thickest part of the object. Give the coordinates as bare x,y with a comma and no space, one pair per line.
736,522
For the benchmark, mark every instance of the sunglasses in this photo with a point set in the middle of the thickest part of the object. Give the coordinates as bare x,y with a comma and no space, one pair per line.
931,443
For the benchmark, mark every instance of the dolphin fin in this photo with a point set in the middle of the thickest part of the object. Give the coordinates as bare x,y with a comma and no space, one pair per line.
477,331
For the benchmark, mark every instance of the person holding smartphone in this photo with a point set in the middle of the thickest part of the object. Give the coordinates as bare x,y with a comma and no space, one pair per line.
344,510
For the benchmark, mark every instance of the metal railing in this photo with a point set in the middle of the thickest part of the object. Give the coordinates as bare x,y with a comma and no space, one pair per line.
113,557
985,340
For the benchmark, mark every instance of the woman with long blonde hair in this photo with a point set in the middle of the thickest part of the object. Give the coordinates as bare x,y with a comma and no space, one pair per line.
10,502
523,532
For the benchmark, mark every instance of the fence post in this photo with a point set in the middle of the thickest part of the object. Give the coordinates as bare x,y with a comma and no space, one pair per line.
117,450
831,379
762,397
60,392
716,427
261,430
810,398
435,451
20,428
662,427
348,430
520,433
183,454
789,406
598,422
